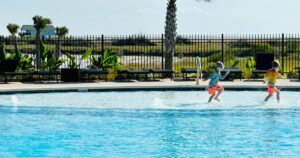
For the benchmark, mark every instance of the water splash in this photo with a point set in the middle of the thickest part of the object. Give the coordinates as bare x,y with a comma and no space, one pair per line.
14,100
158,103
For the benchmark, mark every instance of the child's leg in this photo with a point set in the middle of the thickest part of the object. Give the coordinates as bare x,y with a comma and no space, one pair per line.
268,97
211,97
277,94
271,90
220,91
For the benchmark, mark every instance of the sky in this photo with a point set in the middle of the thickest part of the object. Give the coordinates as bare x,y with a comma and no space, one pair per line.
118,17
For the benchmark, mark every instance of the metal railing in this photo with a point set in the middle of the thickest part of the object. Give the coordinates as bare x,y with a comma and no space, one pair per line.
147,51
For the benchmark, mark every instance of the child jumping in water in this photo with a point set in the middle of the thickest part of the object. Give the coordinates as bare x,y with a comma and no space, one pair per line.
271,78
214,84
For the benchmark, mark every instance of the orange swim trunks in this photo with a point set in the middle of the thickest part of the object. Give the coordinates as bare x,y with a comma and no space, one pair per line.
271,88
212,90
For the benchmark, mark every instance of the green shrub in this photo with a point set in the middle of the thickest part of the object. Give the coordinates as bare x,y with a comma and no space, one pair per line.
291,47
253,49
69,41
244,52
215,57
154,50
2,52
241,43
248,71
274,43
72,64
228,58
183,40
250,64
132,41
25,64
106,60
292,74
15,56
49,61
233,63
233,52
24,61
261,48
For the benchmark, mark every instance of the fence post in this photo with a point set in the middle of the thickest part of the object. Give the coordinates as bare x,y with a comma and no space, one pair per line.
282,51
102,43
162,52
222,47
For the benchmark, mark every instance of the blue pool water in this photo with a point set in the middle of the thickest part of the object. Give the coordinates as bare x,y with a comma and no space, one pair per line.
149,124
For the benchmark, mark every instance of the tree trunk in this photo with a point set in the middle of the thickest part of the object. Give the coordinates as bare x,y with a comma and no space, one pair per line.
38,50
58,48
16,44
170,34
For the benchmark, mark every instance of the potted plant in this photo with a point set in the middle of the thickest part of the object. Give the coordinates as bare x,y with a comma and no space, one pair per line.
7,64
72,73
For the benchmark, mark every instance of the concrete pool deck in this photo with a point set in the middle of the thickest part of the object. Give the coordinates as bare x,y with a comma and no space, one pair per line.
17,87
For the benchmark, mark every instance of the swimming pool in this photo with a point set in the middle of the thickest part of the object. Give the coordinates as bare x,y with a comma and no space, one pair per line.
149,124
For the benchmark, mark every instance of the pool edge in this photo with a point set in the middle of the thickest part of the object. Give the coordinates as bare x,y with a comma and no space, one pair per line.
139,88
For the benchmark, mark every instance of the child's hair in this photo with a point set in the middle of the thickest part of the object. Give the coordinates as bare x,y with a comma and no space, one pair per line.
275,63
219,64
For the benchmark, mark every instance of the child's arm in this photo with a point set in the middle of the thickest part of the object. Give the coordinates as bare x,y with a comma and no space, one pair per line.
281,76
265,78
223,77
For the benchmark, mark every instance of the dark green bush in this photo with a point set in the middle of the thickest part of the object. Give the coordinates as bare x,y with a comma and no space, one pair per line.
218,57
292,47
261,48
2,52
215,57
274,43
183,40
292,74
241,43
133,41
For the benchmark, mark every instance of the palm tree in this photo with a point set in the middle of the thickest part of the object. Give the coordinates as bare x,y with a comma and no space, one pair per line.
40,23
60,32
2,49
170,33
13,30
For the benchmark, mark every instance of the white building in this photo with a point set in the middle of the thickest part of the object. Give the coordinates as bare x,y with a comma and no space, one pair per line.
29,30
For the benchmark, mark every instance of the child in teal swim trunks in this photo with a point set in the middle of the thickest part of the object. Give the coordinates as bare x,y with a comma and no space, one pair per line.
214,85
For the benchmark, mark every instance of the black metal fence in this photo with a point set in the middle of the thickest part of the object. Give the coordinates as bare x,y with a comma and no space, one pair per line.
147,51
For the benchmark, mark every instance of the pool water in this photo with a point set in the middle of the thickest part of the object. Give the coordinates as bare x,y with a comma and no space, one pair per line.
149,124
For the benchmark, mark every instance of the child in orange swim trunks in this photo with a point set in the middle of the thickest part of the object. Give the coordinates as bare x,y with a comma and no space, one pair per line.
214,85
271,78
